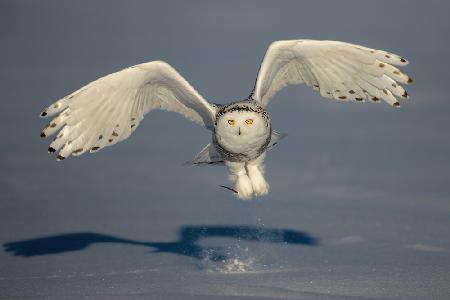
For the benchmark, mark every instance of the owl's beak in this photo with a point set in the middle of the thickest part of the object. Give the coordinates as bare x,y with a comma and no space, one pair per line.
239,133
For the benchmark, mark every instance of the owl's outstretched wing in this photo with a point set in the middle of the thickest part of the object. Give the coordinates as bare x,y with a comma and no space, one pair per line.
337,70
109,109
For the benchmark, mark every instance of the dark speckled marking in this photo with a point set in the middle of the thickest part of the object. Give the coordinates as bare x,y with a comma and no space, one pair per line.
351,91
381,65
78,150
95,148
232,107
342,97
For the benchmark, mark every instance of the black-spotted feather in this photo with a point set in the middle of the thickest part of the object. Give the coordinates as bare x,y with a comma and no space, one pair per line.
338,70
107,110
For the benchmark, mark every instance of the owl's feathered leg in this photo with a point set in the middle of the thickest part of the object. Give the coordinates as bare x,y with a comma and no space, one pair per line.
255,171
238,174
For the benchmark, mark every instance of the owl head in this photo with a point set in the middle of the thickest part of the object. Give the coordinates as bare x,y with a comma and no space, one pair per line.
239,125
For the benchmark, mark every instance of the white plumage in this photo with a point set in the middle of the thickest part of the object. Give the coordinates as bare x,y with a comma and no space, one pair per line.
338,70
108,110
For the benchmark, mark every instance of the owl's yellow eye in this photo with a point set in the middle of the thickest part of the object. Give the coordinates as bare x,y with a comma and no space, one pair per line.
231,121
249,121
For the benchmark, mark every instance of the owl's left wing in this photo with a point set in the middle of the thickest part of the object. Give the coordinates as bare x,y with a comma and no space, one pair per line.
337,70
108,110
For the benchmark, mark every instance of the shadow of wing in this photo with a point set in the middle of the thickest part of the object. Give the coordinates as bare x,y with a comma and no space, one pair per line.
57,244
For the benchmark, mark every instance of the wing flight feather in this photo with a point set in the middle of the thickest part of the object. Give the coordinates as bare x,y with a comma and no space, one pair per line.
338,70
107,110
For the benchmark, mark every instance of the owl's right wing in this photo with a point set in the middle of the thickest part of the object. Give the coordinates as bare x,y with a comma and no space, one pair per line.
338,70
109,109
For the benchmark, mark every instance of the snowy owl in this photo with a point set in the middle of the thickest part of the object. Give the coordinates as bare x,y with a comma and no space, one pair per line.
109,109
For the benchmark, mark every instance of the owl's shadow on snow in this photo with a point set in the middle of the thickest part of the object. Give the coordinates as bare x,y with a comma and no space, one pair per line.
187,243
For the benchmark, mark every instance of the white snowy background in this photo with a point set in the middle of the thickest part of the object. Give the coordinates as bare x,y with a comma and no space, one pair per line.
359,206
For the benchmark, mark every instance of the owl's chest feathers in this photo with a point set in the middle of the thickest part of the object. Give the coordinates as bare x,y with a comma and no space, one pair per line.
241,149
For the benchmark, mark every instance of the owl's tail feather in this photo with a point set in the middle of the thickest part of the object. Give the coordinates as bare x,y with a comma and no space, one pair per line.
208,156
275,138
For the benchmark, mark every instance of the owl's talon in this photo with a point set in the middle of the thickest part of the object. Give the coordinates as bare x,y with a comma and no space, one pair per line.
261,188
259,184
244,188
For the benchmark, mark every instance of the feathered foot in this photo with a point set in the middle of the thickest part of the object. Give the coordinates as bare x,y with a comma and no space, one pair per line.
238,174
259,184
244,187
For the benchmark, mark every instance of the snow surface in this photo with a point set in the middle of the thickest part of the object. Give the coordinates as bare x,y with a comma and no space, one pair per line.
333,249
359,206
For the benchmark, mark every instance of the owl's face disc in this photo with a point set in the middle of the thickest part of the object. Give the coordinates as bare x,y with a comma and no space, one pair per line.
242,128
